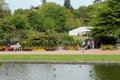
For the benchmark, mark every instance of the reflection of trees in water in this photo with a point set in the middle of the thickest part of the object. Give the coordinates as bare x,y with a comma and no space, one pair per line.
1,64
107,72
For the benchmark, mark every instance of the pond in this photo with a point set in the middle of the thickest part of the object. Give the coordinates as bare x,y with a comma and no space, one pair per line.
16,71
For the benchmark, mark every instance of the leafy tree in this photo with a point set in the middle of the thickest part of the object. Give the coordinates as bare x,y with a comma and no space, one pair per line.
5,29
21,25
68,5
56,13
85,14
20,21
19,11
82,14
35,20
71,21
6,25
4,9
48,24
107,19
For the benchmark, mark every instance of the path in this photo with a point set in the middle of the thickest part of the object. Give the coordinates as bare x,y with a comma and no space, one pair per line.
91,51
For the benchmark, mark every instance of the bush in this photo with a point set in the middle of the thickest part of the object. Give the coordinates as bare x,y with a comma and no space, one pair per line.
67,40
103,39
2,48
42,39
108,47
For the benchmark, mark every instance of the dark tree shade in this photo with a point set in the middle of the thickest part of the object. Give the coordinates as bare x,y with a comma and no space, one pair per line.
44,1
68,5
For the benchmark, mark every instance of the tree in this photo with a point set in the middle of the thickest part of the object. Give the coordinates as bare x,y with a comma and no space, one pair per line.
107,19
68,5
48,24
71,21
20,21
56,13
19,11
4,9
85,14
81,13
36,20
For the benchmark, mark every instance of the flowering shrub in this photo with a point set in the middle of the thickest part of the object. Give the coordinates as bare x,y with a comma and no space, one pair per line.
27,49
2,48
108,47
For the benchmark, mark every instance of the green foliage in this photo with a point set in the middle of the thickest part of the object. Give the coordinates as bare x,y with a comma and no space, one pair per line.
48,24
19,11
35,20
6,25
43,39
67,40
107,19
71,21
50,17
56,13
85,14
4,9
108,47
20,21
104,39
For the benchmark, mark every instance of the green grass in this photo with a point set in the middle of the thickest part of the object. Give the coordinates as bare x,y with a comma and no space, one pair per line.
64,57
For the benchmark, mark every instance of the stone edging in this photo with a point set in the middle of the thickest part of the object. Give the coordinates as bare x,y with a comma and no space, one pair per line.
59,62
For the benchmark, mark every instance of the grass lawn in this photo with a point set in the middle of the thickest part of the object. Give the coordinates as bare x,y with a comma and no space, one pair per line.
63,57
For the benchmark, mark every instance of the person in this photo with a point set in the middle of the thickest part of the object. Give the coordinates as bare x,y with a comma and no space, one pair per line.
88,44
84,47
92,44
17,46
8,45
83,44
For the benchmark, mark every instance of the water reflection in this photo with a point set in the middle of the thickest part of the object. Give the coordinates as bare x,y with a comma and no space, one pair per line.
14,71
107,72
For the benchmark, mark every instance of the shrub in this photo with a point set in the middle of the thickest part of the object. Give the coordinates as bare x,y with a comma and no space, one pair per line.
42,39
103,39
27,48
2,48
67,40
108,47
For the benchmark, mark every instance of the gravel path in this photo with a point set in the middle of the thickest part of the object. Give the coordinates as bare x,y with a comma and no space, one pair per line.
91,51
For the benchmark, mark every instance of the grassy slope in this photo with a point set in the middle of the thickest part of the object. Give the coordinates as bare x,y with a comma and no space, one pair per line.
62,57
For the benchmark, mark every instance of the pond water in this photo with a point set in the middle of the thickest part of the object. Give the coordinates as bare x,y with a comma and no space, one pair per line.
15,71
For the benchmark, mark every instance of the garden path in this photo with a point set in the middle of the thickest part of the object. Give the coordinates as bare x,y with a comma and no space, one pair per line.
91,51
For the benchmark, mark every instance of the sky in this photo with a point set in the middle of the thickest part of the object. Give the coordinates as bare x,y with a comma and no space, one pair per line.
26,4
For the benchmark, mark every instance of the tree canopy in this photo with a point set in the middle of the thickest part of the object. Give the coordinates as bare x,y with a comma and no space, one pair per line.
104,17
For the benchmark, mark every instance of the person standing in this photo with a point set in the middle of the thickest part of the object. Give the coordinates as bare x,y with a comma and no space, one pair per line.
92,44
83,44
88,44
8,45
